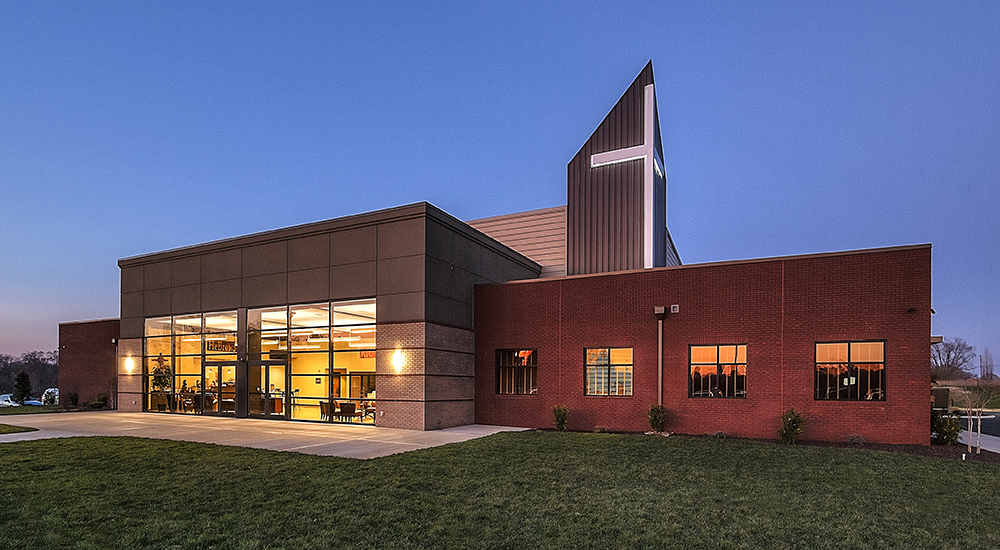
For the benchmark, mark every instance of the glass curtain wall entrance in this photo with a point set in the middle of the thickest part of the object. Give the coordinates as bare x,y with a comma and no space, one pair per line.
302,362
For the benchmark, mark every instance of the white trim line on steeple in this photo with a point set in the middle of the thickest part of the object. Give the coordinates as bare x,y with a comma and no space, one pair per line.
637,152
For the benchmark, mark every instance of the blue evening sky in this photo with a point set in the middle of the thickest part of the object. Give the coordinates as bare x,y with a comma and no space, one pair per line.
789,128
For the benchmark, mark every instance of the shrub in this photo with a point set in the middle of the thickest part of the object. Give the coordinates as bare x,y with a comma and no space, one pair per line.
946,427
657,416
74,399
601,430
855,440
101,401
561,413
22,388
791,426
718,435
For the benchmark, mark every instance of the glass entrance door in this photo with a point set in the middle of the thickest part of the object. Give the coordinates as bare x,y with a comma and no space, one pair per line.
218,394
269,396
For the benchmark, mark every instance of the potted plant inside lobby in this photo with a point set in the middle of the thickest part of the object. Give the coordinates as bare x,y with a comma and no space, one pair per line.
159,385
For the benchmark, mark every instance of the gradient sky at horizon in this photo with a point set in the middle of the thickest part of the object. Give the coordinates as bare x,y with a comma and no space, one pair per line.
788,128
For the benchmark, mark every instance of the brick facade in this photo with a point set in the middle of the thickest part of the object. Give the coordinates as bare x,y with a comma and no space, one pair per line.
780,308
435,386
87,360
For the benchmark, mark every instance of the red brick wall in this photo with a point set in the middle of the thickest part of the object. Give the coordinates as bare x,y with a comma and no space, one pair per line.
88,360
779,307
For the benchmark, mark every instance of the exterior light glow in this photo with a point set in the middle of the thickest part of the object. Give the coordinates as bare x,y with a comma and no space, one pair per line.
397,360
129,365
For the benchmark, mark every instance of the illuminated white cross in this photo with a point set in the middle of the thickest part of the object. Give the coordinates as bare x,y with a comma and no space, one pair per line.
643,151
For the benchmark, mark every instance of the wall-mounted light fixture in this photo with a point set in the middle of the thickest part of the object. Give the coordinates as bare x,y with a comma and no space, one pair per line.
397,360
129,365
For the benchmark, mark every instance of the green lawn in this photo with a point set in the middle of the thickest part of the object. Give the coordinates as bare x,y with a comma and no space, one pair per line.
7,429
29,409
522,490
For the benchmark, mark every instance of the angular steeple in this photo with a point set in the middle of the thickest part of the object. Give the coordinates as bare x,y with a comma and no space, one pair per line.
617,190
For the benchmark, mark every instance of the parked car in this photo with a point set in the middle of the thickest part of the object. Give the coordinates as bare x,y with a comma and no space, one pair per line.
7,400
51,396
33,402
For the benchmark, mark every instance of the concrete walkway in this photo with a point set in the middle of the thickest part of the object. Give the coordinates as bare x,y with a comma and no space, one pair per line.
989,442
343,440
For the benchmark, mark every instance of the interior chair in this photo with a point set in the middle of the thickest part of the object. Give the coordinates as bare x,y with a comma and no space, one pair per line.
348,412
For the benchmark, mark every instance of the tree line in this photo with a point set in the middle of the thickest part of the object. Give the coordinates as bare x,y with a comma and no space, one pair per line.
42,368
955,359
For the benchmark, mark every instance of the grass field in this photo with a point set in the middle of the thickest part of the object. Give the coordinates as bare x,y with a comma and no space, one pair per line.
7,429
29,409
522,490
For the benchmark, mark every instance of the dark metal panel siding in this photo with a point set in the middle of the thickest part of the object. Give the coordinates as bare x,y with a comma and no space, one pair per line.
605,204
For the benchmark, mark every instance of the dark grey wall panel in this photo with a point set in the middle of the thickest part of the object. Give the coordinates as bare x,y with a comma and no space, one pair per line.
354,245
265,259
401,308
221,295
131,279
309,252
185,271
156,275
401,275
156,302
131,304
449,312
440,277
309,285
353,281
401,238
132,327
185,299
265,290
221,266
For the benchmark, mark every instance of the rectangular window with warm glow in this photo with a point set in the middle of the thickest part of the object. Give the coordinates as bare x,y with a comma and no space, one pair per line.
850,371
609,371
517,371
718,371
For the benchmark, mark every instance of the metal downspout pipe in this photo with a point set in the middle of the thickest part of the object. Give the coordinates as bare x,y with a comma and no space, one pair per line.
660,312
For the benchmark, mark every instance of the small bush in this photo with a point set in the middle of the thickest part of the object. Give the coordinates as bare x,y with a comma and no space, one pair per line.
791,426
855,440
946,427
601,430
561,413
101,401
718,435
657,416
74,399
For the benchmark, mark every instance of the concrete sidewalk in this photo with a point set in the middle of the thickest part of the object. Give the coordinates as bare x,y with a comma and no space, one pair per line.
343,440
989,443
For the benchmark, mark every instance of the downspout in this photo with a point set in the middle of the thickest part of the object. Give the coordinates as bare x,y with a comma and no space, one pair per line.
660,312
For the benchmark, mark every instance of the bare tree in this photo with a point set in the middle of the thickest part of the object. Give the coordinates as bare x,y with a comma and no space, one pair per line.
974,399
951,359
986,365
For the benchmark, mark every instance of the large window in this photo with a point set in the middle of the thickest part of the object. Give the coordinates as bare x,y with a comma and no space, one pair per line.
850,371
609,371
517,371
306,362
177,350
718,371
